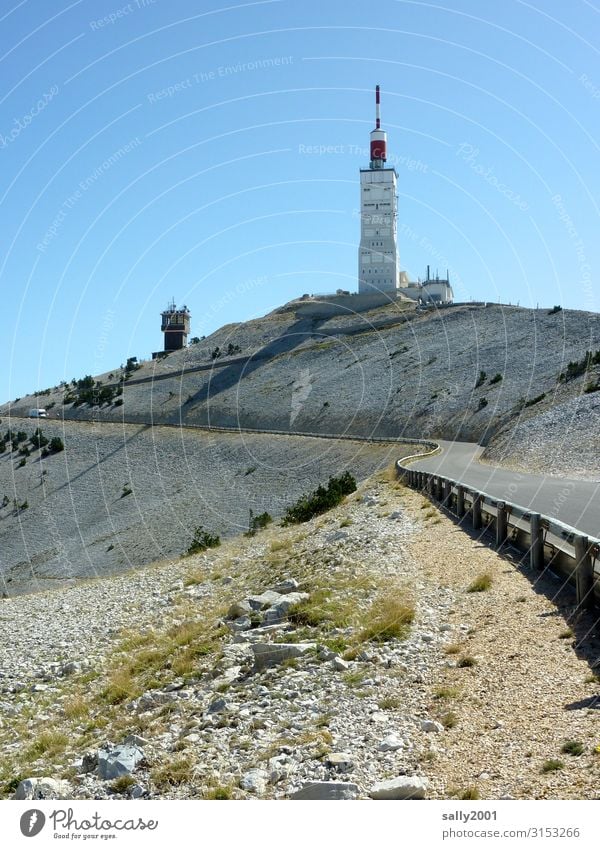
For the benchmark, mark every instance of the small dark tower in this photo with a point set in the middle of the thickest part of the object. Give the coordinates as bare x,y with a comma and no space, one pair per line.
176,326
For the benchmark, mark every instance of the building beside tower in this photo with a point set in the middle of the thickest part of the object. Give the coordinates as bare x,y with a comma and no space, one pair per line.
175,325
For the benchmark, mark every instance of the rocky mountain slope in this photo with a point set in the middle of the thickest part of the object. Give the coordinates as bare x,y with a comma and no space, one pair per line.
342,658
465,372
120,496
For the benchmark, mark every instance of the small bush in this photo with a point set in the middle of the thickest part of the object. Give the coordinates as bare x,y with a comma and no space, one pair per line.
481,379
566,634
56,445
202,540
122,784
552,765
572,747
21,463
258,523
466,662
495,379
480,583
127,490
450,719
556,308
535,400
321,500
219,793
446,693
483,402
172,774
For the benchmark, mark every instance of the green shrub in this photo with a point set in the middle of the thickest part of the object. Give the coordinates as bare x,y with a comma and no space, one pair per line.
38,440
555,309
576,368
321,500
258,523
202,540
480,583
535,400
56,445
495,379
572,747
483,402
552,765
481,379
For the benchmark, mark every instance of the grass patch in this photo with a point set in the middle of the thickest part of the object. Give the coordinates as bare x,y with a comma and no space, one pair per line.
466,662
323,607
452,648
566,634
221,792
172,774
389,617
446,693
449,720
76,708
480,584
122,784
280,545
552,765
390,703
572,747
47,743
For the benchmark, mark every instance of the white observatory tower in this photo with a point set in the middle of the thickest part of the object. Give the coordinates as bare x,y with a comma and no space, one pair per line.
378,266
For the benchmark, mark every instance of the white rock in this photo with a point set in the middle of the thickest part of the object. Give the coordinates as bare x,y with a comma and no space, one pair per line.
288,585
119,761
340,761
391,743
326,790
404,787
340,664
254,781
431,725
43,788
270,654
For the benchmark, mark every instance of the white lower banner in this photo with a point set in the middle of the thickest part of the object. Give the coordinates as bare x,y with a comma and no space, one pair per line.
262,823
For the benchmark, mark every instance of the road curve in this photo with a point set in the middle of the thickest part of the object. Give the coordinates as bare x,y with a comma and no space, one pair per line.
573,502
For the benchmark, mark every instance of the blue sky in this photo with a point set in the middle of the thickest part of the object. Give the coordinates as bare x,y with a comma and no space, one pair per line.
210,153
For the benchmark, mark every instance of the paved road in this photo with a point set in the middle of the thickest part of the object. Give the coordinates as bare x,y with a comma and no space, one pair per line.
574,502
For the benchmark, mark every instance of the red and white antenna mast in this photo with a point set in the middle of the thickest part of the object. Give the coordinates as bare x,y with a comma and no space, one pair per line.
378,137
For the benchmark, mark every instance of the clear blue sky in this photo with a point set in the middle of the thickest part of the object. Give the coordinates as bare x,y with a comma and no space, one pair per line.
210,152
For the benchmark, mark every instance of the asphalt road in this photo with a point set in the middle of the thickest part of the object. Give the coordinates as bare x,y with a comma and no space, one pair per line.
573,502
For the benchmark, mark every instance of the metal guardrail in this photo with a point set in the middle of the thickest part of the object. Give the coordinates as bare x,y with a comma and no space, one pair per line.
548,542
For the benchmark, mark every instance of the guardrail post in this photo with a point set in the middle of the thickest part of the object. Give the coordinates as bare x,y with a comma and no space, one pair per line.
429,485
460,501
447,492
501,524
476,511
438,489
536,552
584,573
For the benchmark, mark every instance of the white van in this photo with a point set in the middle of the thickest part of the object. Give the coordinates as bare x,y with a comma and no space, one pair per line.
38,414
